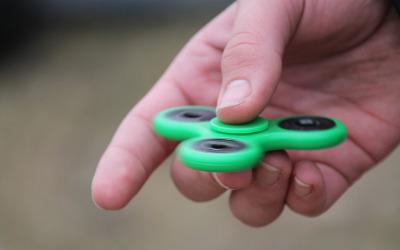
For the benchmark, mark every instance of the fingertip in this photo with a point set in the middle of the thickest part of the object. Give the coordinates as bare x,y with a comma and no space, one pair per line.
233,103
275,168
307,194
114,185
307,173
249,108
112,193
195,185
237,114
234,180
106,199
279,159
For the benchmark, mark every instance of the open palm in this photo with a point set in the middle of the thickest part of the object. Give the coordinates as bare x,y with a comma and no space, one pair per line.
330,58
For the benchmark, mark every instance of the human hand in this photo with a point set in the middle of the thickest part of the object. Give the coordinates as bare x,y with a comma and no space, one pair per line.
280,57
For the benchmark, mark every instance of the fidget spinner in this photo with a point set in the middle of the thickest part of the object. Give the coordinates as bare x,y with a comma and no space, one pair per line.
213,146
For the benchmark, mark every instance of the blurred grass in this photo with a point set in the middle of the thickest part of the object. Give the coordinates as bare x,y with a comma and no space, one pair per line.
59,106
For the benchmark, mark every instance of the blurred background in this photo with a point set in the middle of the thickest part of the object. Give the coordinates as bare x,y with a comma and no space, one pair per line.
69,72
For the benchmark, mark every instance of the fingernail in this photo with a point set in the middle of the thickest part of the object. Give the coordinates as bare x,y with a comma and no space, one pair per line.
273,174
217,180
235,93
301,188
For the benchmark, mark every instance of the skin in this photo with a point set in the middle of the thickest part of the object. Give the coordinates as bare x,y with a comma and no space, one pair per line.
332,58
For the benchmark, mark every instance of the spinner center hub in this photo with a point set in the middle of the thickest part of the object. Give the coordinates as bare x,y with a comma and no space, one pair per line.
256,126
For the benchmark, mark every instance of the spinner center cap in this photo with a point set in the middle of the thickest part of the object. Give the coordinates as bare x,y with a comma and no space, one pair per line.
255,126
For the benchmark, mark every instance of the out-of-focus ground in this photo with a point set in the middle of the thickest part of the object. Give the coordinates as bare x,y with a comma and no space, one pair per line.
59,106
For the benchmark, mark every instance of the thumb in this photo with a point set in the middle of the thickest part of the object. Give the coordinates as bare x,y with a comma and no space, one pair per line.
252,59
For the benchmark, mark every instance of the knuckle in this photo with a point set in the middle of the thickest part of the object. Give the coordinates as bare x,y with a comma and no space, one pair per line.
244,40
242,51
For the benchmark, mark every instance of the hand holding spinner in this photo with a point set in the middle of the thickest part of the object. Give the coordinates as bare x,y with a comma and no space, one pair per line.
210,145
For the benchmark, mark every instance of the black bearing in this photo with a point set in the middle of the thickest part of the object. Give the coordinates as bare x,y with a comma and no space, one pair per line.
191,115
307,123
219,146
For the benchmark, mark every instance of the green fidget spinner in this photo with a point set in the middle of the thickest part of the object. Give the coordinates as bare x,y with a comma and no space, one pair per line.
210,145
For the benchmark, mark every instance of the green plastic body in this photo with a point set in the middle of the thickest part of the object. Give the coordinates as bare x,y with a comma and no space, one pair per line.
259,136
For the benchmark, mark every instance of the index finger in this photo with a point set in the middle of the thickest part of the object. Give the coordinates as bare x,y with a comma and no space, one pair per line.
135,151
